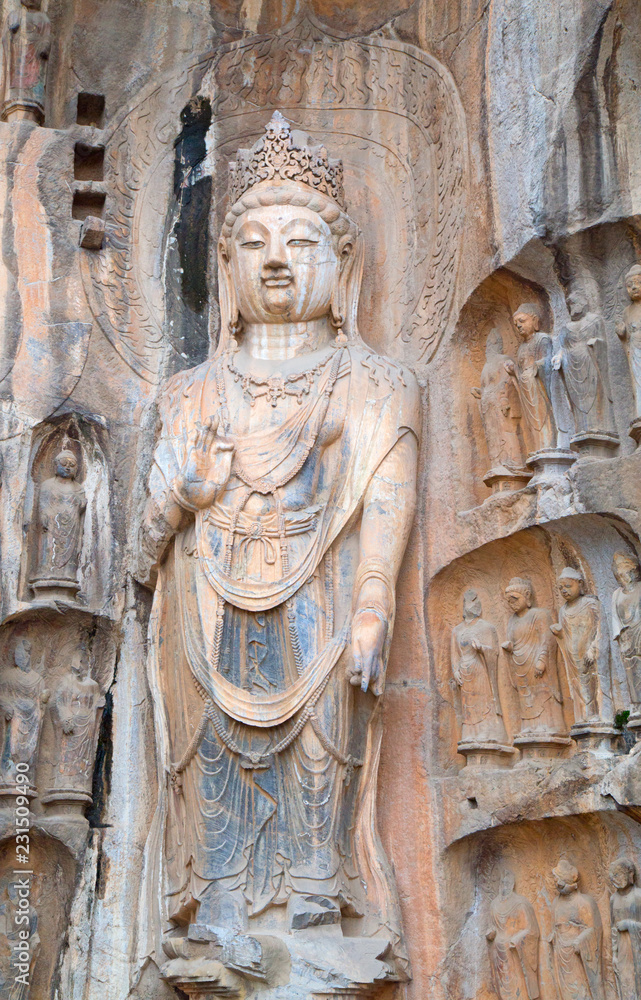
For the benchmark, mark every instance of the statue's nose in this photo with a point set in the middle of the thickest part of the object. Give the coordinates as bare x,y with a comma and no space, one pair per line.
276,253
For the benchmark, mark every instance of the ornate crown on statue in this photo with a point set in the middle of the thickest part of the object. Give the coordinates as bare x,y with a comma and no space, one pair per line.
288,156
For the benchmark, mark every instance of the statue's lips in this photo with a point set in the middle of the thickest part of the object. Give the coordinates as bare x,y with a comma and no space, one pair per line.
278,282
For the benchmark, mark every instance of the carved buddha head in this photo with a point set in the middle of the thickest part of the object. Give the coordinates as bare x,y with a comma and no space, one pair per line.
622,873
494,343
527,320
577,303
519,594
507,883
288,251
571,584
22,655
471,605
66,464
633,283
566,878
626,569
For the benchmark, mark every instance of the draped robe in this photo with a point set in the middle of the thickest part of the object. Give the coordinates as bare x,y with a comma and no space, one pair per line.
579,639
480,719
625,911
626,629
516,970
577,924
585,373
534,649
250,628
533,372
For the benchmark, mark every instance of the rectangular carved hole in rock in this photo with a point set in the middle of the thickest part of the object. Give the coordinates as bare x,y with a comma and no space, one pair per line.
472,803
88,162
91,110
87,203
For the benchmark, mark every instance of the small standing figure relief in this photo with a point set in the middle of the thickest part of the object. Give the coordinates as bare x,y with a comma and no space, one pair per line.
475,653
533,370
500,408
626,624
582,359
513,940
26,46
578,633
22,699
75,714
625,914
59,520
577,939
629,330
531,653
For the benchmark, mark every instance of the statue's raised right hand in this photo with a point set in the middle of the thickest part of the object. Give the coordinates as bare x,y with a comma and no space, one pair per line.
207,466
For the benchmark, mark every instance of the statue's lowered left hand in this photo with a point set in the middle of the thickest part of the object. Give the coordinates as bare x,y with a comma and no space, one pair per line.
369,632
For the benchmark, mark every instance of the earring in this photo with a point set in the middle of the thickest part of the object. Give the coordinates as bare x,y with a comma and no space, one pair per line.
235,328
337,321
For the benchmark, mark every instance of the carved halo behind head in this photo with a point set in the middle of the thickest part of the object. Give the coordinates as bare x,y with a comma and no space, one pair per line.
284,168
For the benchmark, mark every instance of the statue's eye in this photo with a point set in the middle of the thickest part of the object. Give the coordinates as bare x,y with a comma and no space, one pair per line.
253,244
302,243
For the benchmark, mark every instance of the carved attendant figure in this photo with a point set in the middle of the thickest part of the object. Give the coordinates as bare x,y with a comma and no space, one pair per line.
577,939
74,708
626,622
625,913
501,411
22,697
475,653
533,371
514,944
629,330
583,361
26,45
531,654
60,514
281,497
578,633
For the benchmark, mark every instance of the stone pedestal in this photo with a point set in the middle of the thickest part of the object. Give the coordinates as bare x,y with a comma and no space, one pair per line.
504,480
487,754
600,738
23,111
65,801
55,590
540,746
634,431
550,464
595,445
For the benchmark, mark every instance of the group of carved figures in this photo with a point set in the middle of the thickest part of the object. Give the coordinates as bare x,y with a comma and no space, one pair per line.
576,940
522,399
531,653
74,704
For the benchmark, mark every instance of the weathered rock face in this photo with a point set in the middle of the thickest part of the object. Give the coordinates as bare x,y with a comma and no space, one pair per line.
306,689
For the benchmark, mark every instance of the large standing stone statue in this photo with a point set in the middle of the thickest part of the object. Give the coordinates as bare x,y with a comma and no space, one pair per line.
514,943
281,497
578,633
59,520
625,916
534,373
577,939
629,330
582,358
475,654
26,45
501,415
22,697
75,705
626,625
531,653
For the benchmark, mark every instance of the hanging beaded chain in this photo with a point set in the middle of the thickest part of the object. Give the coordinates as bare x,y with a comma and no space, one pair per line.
276,386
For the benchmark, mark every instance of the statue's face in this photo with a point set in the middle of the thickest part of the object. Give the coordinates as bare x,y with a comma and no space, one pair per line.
517,601
507,884
283,264
564,886
22,656
570,589
472,607
633,287
621,876
577,305
66,467
526,324
626,572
